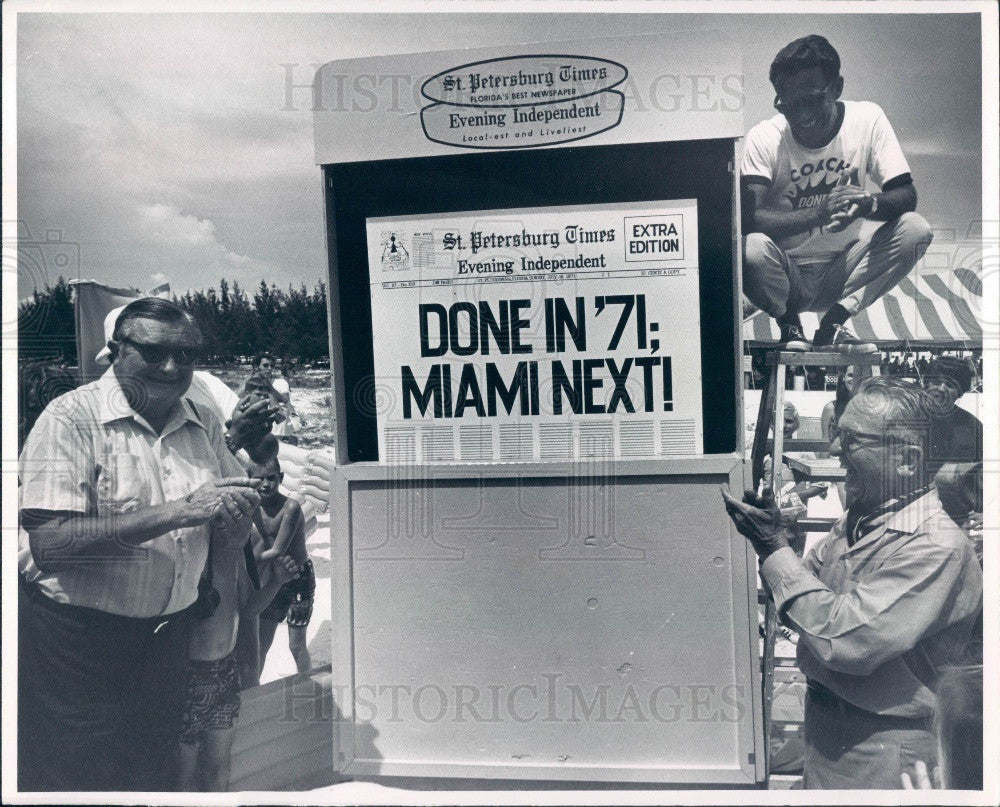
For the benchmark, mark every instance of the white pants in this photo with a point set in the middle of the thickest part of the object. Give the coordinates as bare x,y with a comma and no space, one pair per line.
855,278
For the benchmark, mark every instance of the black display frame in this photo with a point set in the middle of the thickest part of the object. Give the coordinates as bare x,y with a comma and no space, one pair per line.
633,172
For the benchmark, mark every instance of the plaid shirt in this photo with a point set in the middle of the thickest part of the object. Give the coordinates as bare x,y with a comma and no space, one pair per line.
877,620
90,453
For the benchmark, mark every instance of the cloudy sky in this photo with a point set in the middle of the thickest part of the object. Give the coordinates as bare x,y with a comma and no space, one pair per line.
165,143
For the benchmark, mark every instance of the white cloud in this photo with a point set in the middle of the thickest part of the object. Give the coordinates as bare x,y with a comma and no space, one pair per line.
182,240
167,223
236,260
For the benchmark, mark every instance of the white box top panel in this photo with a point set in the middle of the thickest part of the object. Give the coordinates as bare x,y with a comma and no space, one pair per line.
542,95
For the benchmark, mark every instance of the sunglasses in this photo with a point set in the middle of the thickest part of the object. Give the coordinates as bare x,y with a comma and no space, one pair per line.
811,103
850,438
155,354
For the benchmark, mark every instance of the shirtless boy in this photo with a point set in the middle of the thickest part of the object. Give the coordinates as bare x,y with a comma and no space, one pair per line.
281,527
213,694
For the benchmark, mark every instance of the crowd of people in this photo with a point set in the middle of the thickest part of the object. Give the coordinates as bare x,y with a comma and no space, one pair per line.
894,363
905,365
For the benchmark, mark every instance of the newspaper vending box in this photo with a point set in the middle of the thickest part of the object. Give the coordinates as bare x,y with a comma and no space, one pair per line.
534,326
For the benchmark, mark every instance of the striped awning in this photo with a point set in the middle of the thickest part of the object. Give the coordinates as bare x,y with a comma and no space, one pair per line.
940,307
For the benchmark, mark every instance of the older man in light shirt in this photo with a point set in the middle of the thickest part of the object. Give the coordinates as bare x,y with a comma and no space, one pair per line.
122,483
882,605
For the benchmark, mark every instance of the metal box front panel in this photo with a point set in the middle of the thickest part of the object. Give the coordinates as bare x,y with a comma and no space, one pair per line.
587,622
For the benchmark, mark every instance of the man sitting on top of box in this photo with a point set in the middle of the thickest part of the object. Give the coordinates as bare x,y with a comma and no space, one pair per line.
803,177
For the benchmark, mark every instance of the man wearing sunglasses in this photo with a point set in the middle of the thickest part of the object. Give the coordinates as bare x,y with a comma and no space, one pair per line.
804,173
123,482
882,604
248,423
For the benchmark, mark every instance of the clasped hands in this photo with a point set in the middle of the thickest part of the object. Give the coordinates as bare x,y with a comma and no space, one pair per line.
227,505
759,519
843,205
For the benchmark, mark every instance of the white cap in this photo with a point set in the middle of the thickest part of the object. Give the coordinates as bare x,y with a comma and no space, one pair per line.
103,356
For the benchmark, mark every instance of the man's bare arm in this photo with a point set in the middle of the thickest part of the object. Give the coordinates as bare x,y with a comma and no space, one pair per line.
895,202
56,537
778,223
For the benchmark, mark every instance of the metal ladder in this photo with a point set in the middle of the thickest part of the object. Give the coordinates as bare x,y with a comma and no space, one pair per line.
770,413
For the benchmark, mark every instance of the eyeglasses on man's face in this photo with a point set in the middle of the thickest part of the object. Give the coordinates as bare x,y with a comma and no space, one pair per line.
158,354
812,103
850,439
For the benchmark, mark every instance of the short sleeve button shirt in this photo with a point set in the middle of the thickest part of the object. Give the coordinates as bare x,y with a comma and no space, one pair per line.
90,453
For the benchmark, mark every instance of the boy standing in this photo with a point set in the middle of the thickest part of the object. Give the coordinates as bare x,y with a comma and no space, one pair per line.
281,526
213,691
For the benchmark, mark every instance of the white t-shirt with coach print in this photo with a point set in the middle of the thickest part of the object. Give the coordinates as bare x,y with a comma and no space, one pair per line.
864,148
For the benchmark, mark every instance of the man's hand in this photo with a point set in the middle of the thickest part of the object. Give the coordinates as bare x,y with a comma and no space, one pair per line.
250,427
834,202
819,489
224,502
285,569
758,519
851,207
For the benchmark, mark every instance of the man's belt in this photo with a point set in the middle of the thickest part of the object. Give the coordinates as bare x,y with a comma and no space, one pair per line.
828,699
104,619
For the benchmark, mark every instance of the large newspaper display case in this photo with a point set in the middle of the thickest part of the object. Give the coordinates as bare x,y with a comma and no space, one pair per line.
534,294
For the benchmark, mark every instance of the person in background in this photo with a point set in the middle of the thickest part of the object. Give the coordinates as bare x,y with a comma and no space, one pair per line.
958,729
882,605
956,443
789,421
830,417
835,408
789,425
264,365
280,530
258,387
956,435
802,180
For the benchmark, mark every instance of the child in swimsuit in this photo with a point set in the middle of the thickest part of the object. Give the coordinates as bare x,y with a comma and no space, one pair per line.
280,527
213,695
